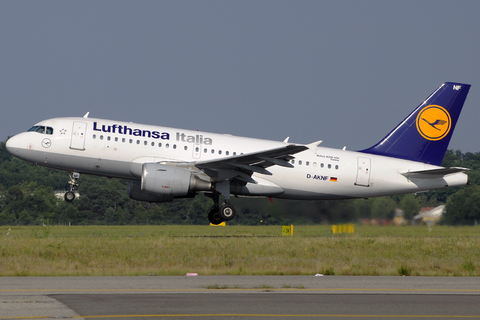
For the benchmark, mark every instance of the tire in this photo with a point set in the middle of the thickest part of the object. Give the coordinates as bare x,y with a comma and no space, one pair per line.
227,212
214,216
69,196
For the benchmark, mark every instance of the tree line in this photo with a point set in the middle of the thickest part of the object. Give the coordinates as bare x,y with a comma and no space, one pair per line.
27,197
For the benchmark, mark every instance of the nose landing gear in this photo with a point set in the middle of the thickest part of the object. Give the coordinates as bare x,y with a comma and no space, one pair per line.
70,195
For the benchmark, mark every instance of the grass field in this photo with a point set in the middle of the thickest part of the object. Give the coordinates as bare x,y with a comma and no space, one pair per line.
239,250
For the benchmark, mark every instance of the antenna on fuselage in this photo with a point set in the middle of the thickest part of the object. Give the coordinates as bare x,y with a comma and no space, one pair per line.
86,114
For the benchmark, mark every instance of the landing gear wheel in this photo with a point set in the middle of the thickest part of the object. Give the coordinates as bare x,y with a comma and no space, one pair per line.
69,196
227,211
214,216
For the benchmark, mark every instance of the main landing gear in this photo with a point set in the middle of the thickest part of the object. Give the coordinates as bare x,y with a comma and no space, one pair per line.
70,195
218,214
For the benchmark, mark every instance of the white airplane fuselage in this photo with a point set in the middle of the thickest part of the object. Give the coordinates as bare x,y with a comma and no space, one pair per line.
119,149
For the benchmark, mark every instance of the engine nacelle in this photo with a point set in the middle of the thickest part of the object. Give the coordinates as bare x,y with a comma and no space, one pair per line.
170,181
135,192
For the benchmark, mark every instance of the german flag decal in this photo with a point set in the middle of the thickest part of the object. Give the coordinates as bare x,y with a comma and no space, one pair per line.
333,179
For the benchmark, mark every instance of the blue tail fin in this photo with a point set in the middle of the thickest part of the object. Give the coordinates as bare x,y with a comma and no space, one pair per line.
424,135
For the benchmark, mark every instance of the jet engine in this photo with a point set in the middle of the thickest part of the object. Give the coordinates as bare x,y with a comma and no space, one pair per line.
163,183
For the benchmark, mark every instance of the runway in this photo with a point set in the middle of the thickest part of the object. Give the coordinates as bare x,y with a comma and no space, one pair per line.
239,297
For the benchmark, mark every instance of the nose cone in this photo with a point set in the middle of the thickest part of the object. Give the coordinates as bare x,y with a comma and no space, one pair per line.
13,144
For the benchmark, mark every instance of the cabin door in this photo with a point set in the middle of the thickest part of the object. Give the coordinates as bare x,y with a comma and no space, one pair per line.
363,172
79,131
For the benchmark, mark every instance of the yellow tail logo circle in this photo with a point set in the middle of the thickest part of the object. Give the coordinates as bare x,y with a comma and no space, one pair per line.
433,122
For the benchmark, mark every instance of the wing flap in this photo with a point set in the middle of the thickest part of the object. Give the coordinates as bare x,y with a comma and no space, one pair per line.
243,166
263,159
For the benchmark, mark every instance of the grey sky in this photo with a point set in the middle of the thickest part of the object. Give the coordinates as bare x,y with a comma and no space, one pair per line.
346,72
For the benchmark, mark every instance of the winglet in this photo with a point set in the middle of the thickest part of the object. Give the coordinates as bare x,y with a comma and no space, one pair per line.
86,114
313,146
424,135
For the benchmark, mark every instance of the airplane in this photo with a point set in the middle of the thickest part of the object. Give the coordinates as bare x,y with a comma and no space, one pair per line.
164,164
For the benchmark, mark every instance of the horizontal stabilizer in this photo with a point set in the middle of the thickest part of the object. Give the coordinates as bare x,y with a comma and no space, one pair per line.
433,174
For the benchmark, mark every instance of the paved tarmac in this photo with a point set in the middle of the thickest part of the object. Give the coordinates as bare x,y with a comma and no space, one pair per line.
239,297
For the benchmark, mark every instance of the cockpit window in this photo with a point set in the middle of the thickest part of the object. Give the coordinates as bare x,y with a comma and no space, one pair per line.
35,129
41,129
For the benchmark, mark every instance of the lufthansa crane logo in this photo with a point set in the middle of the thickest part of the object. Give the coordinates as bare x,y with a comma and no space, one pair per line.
46,143
433,122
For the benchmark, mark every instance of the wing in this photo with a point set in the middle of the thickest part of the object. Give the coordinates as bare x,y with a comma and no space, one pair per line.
241,167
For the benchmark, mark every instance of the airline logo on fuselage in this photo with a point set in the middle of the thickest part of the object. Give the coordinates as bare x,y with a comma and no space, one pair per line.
124,129
197,139
433,122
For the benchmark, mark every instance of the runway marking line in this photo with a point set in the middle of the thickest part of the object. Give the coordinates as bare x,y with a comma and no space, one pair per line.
232,289
251,315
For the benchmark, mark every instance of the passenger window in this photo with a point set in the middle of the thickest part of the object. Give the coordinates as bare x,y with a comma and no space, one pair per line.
153,144
321,165
336,167
138,141
159,144
329,166
227,153
145,142
234,153
185,148
116,139
299,162
307,163
314,164
101,137
293,161
219,151
205,150
174,146
123,139
131,141
213,151
94,136
108,138
167,145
